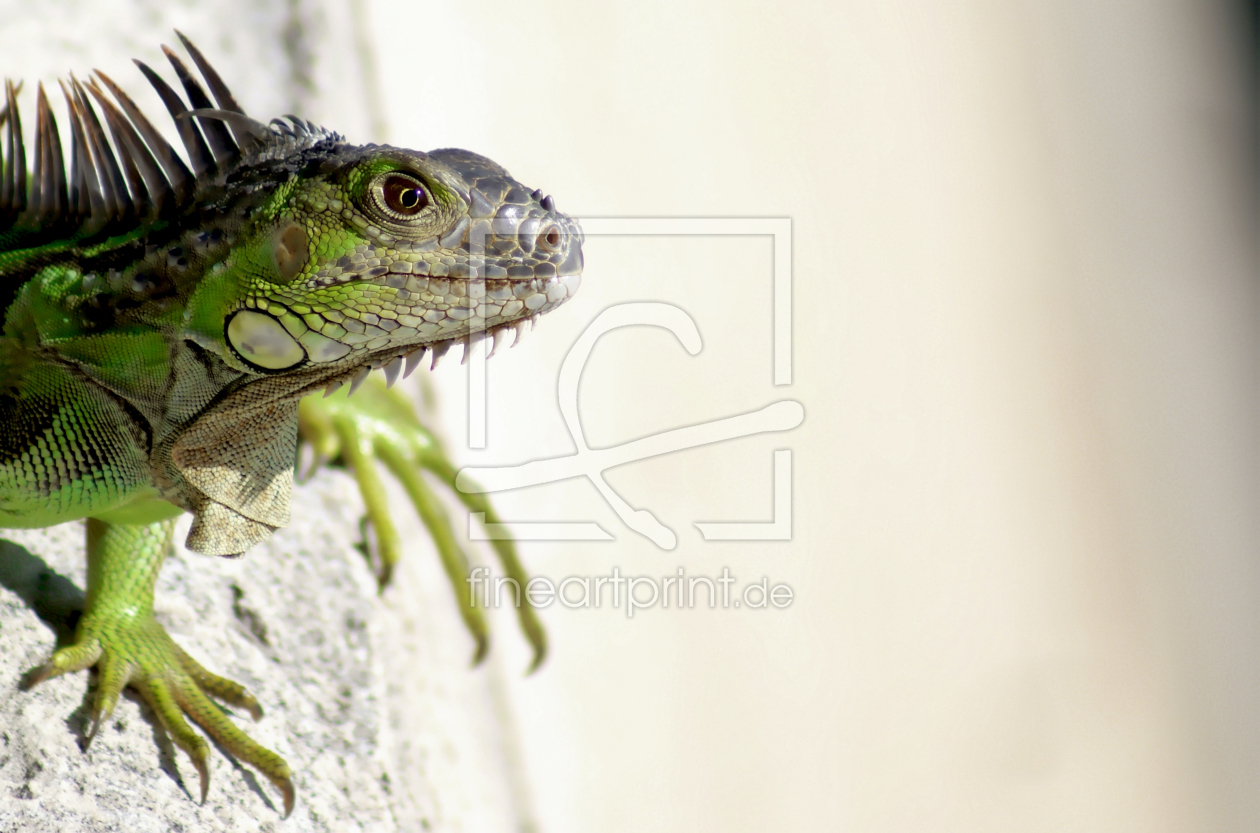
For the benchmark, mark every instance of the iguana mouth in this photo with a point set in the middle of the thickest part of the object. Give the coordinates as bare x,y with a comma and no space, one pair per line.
401,361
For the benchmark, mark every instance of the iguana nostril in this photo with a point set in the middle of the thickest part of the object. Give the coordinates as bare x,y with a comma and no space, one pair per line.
549,239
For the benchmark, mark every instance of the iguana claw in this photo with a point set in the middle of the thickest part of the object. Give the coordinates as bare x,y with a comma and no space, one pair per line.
118,634
380,424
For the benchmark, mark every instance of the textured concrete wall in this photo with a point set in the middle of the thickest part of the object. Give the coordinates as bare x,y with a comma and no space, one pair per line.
368,697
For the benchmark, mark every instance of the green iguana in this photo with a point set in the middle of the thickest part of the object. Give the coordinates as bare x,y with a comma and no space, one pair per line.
163,320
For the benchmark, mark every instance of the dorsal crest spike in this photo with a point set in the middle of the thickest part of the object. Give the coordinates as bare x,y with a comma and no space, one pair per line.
240,123
194,145
222,95
82,172
216,132
177,173
14,192
130,173
267,141
153,188
50,169
118,202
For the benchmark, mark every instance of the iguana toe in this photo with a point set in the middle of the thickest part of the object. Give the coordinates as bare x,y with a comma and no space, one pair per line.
138,652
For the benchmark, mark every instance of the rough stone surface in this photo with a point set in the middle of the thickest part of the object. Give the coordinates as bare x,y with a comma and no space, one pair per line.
368,697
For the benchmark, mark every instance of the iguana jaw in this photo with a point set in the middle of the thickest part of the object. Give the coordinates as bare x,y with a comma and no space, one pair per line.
402,359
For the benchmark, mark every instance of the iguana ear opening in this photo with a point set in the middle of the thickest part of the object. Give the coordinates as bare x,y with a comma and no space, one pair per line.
290,246
263,341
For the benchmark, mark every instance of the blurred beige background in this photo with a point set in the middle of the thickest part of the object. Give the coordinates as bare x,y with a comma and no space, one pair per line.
1025,308
1025,548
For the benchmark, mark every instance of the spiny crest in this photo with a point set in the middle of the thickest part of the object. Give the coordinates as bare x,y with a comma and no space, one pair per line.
140,176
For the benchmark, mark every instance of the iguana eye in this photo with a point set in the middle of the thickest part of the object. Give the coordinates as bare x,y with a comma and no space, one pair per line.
408,205
403,195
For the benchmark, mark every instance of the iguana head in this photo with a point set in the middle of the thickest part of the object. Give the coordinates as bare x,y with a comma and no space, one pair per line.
366,255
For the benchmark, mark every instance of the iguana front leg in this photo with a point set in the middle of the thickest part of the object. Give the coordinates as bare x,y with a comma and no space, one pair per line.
119,635
377,423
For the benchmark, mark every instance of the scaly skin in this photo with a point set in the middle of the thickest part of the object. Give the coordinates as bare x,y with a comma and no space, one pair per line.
162,321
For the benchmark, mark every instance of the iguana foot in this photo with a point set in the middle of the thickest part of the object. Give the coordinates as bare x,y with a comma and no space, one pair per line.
377,423
118,634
